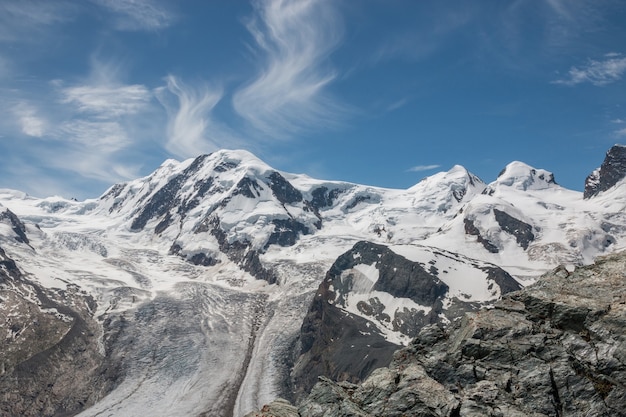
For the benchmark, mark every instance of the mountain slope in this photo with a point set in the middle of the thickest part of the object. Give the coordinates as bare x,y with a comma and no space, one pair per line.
374,299
555,348
200,275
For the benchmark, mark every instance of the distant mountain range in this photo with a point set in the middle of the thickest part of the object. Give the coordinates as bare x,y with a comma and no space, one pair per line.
216,284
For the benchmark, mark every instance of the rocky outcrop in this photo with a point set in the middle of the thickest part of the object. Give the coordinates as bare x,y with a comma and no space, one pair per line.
523,232
556,348
19,229
277,408
334,342
50,362
612,170
472,230
283,190
240,252
371,299
166,199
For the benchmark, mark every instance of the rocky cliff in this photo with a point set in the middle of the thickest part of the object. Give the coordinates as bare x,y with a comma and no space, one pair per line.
556,348
612,170
374,299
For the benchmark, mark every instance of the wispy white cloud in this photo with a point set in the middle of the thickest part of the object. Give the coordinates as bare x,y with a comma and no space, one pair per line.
95,130
135,15
30,122
19,20
293,39
621,132
99,110
103,137
420,168
106,101
598,73
86,127
397,104
91,148
562,8
190,129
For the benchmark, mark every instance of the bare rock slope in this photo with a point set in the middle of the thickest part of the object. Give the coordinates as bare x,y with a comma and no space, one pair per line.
556,348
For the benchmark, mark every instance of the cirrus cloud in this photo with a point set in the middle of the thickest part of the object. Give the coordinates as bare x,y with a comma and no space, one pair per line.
598,73
105,101
420,168
30,122
190,128
293,39
138,15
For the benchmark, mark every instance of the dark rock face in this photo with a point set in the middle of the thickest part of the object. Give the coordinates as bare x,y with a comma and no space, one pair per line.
283,190
202,188
239,252
286,232
18,227
203,259
612,170
166,198
343,346
112,194
247,187
403,278
523,232
471,229
322,197
556,348
357,200
504,280
458,194
225,166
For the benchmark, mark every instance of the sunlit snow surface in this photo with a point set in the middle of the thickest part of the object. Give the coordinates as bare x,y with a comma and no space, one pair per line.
206,339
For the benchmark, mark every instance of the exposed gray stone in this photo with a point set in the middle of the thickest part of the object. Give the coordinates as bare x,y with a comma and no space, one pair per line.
523,232
612,170
556,348
50,363
277,408
471,229
18,227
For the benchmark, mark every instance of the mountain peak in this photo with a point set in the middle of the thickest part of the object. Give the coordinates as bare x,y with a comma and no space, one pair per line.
522,176
612,171
457,183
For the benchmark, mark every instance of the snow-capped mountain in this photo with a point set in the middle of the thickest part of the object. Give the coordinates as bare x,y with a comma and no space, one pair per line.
215,284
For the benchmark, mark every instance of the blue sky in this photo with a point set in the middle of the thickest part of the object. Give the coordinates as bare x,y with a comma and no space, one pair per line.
379,92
